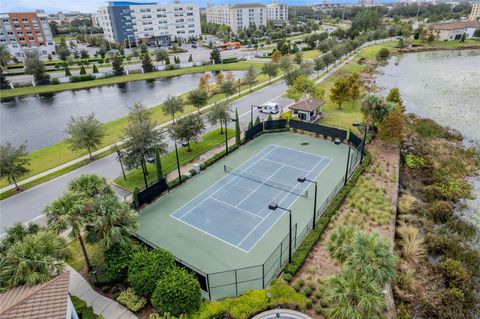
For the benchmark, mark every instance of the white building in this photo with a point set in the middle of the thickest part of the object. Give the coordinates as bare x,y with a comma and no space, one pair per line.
153,23
454,30
475,14
241,15
26,33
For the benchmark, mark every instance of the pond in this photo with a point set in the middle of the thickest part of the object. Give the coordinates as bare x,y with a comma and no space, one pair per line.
41,119
443,86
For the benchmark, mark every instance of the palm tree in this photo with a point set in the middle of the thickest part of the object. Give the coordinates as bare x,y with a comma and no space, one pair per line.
339,240
16,233
34,259
114,222
73,211
90,185
351,295
371,256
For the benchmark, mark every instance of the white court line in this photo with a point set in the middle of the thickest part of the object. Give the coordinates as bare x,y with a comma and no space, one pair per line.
273,161
289,148
255,162
260,185
281,215
240,209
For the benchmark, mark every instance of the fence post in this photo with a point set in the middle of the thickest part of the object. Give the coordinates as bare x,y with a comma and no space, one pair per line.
208,287
236,284
263,276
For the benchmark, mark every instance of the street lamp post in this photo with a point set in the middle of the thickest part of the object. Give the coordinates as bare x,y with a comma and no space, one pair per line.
303,179
274,206
226,136
251,113
364,137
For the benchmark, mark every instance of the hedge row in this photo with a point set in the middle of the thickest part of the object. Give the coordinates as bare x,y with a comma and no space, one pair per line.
314,235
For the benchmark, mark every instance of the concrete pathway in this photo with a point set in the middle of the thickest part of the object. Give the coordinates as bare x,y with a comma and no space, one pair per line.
108,308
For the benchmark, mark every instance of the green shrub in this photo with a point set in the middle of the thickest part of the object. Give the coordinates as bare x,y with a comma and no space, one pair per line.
307,291
454,272
318,309
177,292
87,313
287,277
441,211
414,162
129,299
117,258
146,268
402,312
81,78
296,286
309,304
312,285
383,54
78,304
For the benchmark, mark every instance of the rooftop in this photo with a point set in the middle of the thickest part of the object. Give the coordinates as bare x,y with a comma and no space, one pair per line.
43,301
456,25
307,105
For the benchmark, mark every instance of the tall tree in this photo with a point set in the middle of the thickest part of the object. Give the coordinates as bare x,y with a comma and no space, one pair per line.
204,82
16,233
62,51
250,76
339,93
270,69
82,70
74,212
374,109
172,106
393,126
304,88
117,65
394,96
94,69
33,259
13,162
5,55
276,55
114,222
90,186
34,66
354,87
147,64
85,132
328,59
4,82
141,139
219,113
215,56
285,63
187,129
298,58
161,56
198,98
228,88
319,65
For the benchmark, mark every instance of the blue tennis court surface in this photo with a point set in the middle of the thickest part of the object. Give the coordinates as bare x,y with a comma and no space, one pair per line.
235,208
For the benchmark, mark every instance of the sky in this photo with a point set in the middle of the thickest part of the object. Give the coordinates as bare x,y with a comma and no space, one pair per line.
90,6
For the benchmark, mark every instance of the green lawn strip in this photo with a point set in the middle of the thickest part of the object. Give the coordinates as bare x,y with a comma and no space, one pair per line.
125,78
58,154
76,260
169,163
52,175
445,44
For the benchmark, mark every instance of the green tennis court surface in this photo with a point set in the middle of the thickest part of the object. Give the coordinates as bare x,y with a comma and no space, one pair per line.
219,220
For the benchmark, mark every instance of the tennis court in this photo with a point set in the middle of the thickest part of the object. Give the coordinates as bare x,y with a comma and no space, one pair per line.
235,208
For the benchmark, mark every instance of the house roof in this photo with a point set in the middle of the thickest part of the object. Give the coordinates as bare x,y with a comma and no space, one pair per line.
307,105
456,25
42,301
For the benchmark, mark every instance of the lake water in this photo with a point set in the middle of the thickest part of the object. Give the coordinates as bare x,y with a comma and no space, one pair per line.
41,119
443,86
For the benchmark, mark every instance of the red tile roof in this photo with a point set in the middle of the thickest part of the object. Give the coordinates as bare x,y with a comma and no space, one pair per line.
456,25
43,301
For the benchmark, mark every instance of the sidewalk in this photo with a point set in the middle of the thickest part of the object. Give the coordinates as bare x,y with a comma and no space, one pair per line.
108,308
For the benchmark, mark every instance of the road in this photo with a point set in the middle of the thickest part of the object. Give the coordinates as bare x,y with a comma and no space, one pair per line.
29,205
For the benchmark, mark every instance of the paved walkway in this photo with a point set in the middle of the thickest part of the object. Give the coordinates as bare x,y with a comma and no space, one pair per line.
108,308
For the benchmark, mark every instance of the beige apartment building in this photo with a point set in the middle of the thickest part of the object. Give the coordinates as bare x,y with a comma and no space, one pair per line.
241,15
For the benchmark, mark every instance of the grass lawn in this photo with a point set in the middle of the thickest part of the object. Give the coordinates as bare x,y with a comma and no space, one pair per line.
77,261
444,44
58,154
124,78
169,162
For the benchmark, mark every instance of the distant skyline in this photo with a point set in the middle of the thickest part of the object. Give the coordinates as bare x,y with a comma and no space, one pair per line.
91,6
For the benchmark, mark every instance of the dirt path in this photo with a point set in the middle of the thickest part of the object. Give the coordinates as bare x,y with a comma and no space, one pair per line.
382,175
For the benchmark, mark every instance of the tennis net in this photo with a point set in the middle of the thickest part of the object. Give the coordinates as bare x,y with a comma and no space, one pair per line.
268,182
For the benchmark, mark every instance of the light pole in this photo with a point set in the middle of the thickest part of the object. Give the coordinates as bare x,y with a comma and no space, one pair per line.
226,136
348,163
178,162
356,124
303,179
251,113
274,206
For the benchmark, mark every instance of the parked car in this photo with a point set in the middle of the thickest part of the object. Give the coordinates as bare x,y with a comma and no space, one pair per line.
194,46
270,108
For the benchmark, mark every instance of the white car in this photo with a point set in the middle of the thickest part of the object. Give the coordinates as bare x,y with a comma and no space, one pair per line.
270,108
